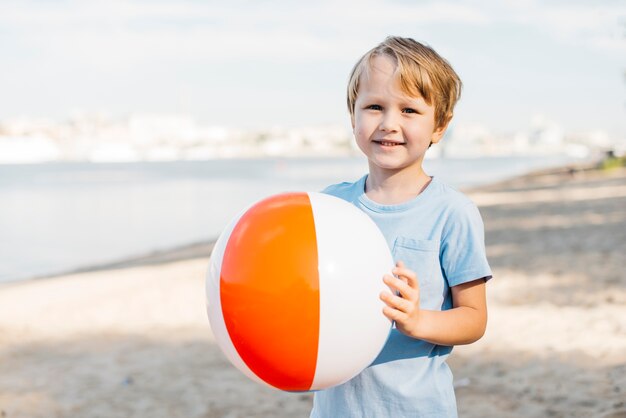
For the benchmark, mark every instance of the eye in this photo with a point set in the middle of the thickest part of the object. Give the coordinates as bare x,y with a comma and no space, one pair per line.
374,107
409,110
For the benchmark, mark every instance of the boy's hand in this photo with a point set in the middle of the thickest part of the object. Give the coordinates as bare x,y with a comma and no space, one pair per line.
403,305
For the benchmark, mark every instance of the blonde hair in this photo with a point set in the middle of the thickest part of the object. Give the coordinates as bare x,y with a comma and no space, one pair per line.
422,72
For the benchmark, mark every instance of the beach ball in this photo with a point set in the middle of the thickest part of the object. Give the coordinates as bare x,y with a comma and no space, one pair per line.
293,291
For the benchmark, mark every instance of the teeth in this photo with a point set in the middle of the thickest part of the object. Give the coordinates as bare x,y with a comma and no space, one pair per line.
387,143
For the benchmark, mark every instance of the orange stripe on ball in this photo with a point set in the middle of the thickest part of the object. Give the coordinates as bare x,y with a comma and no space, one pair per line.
269,291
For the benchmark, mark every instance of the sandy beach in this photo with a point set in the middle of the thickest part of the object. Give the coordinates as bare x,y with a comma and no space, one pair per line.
133,339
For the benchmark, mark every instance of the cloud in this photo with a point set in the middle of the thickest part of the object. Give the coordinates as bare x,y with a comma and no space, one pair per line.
228,29
326,29
598,24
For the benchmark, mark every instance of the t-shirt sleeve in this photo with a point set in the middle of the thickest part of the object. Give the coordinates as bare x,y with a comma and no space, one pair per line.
463,257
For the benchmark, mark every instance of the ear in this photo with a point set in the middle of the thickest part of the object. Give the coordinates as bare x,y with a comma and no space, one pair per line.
440,131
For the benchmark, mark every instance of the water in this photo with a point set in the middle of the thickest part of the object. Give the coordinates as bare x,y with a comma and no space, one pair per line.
59,217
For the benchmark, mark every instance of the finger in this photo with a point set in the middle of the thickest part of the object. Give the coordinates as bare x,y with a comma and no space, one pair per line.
396,285
407,274
393,314
396,302
400,286
399,303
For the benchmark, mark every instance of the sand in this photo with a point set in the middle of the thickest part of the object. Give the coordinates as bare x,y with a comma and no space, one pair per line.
133,340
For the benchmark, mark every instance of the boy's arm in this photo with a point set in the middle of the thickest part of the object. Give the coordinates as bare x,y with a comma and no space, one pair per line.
465,323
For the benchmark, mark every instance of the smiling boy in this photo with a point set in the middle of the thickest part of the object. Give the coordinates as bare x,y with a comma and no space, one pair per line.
401,97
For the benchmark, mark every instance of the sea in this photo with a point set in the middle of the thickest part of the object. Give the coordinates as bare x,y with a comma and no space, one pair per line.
60,217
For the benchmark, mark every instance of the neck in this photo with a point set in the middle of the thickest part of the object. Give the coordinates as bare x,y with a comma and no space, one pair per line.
393,188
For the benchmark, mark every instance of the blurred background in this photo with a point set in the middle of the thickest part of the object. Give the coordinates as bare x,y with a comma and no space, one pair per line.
133,126
132,131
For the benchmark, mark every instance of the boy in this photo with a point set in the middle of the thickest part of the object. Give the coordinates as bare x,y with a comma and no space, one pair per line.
401,95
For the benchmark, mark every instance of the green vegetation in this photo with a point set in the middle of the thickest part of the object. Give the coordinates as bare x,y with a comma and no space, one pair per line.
612,162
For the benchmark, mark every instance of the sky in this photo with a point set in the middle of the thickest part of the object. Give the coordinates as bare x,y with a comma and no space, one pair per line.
257,64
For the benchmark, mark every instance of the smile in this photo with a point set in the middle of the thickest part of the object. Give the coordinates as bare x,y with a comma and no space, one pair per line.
389,143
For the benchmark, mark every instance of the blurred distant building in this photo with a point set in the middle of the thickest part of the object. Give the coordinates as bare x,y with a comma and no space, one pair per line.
157,137
545,136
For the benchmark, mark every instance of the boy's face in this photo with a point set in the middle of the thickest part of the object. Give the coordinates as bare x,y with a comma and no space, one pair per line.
392,129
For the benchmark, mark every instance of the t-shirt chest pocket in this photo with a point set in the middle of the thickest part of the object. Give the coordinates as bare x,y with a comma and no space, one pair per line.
422,256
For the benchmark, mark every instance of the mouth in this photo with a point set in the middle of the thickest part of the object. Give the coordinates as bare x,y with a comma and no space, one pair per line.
388,143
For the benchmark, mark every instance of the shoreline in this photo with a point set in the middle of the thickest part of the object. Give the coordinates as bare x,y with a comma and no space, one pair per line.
193,251
202,249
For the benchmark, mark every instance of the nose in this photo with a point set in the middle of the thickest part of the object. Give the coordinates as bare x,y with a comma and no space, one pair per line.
388,122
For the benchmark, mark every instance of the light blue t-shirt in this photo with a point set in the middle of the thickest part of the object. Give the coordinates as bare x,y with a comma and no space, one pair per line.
439,234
